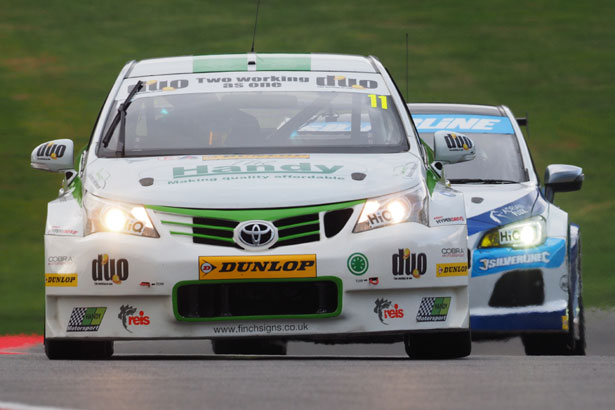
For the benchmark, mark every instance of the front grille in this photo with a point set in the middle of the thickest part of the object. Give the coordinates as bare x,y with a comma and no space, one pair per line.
518,288
206,227
258,299
211,231
297,229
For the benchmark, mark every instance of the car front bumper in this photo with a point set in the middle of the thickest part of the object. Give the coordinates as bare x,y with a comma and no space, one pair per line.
135,298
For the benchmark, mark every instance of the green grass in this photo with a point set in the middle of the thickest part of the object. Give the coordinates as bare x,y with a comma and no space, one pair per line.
554,60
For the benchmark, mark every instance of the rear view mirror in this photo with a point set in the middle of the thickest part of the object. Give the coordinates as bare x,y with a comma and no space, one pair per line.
53,156
452,147
562,178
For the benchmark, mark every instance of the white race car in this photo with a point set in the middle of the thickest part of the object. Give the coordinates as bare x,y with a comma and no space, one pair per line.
254,199
526,255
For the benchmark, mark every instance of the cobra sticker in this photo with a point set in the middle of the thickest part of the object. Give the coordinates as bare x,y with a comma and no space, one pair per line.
489,261
257,267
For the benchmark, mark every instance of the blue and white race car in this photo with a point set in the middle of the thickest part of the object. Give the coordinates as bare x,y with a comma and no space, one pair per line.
525,253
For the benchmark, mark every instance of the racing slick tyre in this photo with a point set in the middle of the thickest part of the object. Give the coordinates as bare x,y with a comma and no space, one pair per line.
78,349
242,346
444,345
562,344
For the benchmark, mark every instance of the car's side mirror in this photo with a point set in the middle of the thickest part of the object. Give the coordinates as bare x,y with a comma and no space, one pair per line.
562,178
53,156
450,148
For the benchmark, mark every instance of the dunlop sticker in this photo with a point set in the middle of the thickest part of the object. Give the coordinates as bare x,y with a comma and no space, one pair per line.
61,279
444,270
257,267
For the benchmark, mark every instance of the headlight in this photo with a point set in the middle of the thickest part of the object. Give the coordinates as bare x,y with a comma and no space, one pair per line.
407,206
524,234
110,216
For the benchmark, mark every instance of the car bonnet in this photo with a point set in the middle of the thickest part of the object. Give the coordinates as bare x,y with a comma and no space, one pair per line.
252,181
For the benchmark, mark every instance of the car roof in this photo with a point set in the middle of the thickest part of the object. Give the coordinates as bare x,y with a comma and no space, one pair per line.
449,108
252,62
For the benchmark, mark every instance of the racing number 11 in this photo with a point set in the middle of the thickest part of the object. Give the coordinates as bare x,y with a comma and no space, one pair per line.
383,101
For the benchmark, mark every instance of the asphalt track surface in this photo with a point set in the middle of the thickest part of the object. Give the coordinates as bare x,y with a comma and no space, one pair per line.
169,375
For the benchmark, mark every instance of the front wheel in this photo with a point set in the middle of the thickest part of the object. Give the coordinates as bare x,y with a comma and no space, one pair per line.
441,345
78,349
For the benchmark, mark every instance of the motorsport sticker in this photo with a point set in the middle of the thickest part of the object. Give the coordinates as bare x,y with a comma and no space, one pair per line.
357,264
257,267
384,311
433,309
86,319
445,270
61,279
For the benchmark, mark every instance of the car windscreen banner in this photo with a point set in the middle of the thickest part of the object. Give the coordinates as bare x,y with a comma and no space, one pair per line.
256,81
489,124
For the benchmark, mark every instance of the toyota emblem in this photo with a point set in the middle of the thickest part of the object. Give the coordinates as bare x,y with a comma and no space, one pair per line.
256,234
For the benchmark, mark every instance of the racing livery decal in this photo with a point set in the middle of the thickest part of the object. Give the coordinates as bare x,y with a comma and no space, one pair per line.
257,267
86,319
549,255
129,318
384,311
463,123
407,265
107,271
61,279
444,270
433,309
522,208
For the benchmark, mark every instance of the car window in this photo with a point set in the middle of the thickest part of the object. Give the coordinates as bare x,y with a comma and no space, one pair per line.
498,155
307,118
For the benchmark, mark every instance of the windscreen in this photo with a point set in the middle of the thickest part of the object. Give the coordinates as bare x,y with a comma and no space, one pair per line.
242,113
498,156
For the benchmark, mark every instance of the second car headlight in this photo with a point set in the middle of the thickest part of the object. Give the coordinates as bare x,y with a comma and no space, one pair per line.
111,216
407,206
524,234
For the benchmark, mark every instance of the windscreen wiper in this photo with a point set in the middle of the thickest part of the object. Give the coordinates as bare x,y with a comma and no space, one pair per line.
481,181
120,118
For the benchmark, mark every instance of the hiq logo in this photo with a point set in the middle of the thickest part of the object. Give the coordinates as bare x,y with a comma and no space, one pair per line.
105,270
51,150
455,142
